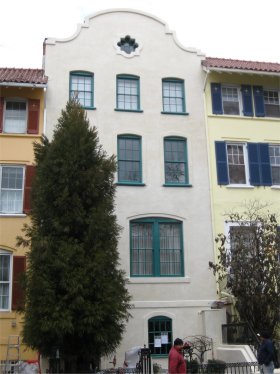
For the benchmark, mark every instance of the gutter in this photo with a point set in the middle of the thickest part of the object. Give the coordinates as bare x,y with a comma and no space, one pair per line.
240,71
31,85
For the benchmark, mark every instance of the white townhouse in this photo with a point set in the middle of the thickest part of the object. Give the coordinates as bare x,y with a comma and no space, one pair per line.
143,91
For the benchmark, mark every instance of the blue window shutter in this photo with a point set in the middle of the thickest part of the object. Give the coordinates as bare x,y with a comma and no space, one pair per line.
216,92
254,165
247,100
259,101
221,161
265,164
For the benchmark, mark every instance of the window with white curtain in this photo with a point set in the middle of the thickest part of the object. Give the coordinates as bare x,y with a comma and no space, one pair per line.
5,280
11,192
15,118
156,247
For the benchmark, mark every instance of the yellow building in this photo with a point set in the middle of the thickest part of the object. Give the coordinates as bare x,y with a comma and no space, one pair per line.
243,129
21,123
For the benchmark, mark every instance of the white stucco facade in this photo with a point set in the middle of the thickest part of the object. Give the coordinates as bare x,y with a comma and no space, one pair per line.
93,48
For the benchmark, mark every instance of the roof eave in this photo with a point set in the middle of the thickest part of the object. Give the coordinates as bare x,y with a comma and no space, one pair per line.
240,71
30,85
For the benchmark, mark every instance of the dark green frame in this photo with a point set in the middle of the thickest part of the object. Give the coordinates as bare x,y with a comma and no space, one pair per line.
159,325
139,139
83,74
156,221
184,141
174,80
128,77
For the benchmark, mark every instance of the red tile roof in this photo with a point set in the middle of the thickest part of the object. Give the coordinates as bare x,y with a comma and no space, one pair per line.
225,63
29,76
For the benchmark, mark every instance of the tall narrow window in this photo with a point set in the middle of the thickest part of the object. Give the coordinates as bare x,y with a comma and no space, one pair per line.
175,161
128,93
160,335
156,247
274,155
129,159
15,119
271,103
173,96
5,280
81,87
237,165
11,193
230,100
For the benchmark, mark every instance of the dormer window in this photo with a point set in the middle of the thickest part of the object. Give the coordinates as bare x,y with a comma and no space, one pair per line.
127,44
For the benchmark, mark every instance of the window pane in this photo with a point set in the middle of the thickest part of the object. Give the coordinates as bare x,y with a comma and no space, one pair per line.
142,248
230,100
15,117
274,153
11,190
236,164
129,160
4,281
160,329
82,89
175,161
170,249
127,94
173,97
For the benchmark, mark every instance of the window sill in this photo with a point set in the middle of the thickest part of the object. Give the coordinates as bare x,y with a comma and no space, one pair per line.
130,184
89,107
275,187
244,186
129,110
158,280
177,185
176,113
13,215
242,117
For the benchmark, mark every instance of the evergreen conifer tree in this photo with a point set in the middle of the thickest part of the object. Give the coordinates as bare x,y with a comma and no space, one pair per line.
76,298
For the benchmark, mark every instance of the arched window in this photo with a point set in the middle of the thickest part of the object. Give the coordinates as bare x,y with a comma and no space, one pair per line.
156,247
160,335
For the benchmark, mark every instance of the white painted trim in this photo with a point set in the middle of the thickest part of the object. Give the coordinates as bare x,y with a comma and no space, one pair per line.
85,24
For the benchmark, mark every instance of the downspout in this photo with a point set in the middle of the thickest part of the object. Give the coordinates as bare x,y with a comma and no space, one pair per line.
207,71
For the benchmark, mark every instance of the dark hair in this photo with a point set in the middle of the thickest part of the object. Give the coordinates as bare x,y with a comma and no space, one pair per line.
265,334
178,341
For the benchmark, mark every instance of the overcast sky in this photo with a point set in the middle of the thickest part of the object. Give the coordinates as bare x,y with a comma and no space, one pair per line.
238,29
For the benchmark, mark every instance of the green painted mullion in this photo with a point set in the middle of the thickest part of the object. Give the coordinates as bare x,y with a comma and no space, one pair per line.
156,249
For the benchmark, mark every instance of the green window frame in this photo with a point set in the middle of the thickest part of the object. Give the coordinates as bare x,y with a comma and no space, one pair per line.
173,96
128,93
156,248
129,159
160,335
82,88
175,161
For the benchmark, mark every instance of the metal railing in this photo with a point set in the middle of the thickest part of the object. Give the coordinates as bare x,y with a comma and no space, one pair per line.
240,333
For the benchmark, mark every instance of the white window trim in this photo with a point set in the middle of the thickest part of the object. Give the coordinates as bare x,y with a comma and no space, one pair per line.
246,163
7,253
275,186
15,99
3,213
239,99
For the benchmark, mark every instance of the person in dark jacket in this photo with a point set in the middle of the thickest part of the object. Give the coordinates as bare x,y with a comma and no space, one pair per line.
176,362
266,353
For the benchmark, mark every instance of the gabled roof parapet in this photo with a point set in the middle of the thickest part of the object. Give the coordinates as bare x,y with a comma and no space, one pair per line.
85,24
23,77
224,64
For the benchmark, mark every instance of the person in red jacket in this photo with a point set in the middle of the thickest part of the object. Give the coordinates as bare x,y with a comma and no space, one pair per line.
176,362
